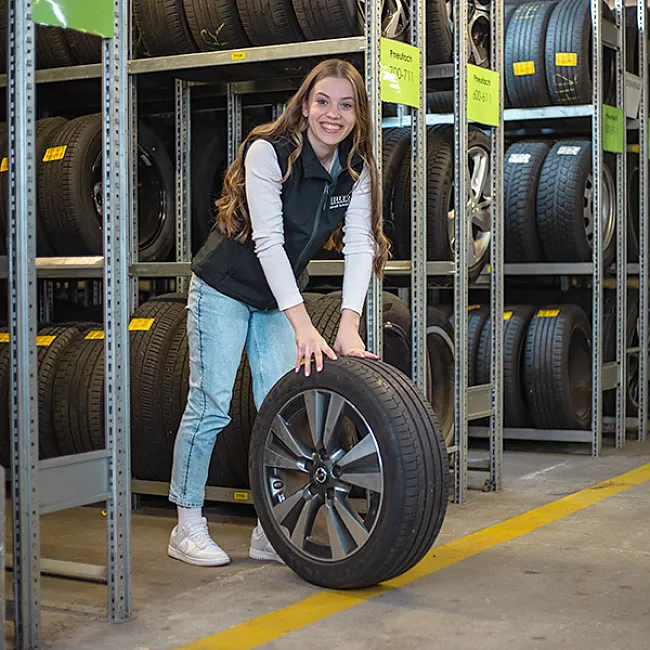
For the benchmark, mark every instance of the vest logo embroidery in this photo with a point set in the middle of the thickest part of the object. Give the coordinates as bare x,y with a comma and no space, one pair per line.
341,201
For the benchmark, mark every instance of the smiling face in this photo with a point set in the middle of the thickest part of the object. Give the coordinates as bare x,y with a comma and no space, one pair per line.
331,114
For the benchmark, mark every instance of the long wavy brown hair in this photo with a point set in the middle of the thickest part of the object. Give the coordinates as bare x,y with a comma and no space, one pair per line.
232,215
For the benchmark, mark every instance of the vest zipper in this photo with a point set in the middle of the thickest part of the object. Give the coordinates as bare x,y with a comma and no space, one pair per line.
321,209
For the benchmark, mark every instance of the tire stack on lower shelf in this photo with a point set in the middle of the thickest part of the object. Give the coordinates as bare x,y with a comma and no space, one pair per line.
71,385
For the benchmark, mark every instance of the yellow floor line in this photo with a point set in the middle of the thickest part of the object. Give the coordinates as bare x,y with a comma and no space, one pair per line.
271,626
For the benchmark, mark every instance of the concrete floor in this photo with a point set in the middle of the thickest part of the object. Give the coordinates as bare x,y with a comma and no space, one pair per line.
580,582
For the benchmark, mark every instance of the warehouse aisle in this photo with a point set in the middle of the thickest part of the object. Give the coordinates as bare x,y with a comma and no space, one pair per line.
578,581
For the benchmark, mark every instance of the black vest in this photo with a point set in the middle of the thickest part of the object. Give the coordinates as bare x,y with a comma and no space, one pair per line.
314,204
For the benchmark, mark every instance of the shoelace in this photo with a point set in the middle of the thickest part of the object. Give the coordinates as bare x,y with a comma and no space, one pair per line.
199,534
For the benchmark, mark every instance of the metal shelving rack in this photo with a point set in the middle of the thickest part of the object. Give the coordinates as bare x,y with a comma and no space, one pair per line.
40,487
605,376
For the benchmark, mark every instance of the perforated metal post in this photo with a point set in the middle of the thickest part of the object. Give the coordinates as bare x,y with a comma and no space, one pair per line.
496,255
374,318
419,205
117,196
621,235
23,322
183,118
460,252
234,122
134,297
597,291
644,223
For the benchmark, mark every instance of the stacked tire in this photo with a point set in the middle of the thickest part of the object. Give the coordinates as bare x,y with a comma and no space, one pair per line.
547,365
549,209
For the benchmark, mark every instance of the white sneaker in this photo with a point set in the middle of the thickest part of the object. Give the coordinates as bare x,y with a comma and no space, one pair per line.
192,543
260,548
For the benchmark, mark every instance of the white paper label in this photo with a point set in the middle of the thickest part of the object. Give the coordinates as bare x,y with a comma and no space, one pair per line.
569,151
519,158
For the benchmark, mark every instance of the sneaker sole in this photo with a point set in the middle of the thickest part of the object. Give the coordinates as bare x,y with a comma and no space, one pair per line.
254,554
178,555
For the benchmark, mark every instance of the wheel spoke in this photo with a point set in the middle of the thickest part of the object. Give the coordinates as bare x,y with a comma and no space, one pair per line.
482,219
361,465
339,544
334,410
315,405
305,521
278,459
350,518
283,509
297,447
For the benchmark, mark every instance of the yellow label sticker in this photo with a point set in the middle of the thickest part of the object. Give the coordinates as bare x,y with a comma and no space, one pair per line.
140,324
240,496
507,315
400,73
567,59
55,153
522,68
238,56
45,341
548,313
4,166
472,307
4,337
95,335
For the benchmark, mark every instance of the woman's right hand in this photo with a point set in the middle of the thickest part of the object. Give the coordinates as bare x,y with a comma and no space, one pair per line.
308,340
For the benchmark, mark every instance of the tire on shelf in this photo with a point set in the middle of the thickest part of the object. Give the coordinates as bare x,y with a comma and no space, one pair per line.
396,143
149,345
440,198
52,49
523,164
86,48
337,18
269,22
393,456
208,169
5,398
564,205
440,39
215,25
440,347
568,54
631,40
557,368
70,191
525,65
478,320
633,207
163,27
72,382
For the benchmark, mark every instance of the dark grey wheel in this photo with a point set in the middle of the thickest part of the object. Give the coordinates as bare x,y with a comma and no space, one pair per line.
347,471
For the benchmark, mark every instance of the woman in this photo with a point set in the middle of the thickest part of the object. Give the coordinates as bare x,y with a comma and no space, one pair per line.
306,180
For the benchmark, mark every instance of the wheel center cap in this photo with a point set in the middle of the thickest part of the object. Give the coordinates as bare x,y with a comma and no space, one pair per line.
320,475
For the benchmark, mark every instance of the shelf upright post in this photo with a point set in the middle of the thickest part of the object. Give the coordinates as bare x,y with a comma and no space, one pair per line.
597,290
496,254
621,236
117,199
419,204
644,225
234,122
183,119
460,251
373,82
23,321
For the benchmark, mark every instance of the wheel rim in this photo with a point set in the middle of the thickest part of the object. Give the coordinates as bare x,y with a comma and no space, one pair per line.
395,18
479,207
580,374
443,359
152,197
608,225
323,475
633,369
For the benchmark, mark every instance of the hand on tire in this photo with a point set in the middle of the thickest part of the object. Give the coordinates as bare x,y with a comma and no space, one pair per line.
311,344
350,344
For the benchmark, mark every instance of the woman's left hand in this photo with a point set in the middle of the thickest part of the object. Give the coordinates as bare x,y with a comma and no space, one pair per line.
349,344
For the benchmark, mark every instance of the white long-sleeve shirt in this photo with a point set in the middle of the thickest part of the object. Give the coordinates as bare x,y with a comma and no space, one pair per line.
263,192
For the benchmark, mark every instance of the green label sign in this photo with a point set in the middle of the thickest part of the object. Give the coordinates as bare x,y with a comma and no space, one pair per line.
482,95
400,73
613,129
92,16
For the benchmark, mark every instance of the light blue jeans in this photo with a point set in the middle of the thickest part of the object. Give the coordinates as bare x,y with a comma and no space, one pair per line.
218,329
